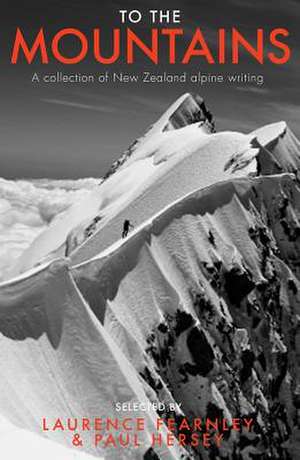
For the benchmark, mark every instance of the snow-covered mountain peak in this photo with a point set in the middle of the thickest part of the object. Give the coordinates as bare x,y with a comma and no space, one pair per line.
197,305
180,148
187,110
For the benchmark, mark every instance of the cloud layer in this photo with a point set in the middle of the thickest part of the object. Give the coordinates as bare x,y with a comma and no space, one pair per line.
27,208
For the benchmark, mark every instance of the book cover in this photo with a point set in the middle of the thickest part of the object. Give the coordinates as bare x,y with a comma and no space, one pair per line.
150,230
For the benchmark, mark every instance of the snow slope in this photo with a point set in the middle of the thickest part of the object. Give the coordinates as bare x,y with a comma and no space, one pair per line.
33,446
199,305
56,360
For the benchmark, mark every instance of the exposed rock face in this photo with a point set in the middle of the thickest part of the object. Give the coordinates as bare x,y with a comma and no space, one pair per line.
227,346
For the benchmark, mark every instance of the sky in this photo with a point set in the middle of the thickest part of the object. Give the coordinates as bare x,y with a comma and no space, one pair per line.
73,131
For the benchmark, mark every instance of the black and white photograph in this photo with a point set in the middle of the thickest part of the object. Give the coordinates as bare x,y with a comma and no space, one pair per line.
150,230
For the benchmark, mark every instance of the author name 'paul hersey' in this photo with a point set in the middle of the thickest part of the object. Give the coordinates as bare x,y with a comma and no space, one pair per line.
126,432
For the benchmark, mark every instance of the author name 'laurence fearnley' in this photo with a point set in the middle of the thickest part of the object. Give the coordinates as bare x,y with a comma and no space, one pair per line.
126,431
